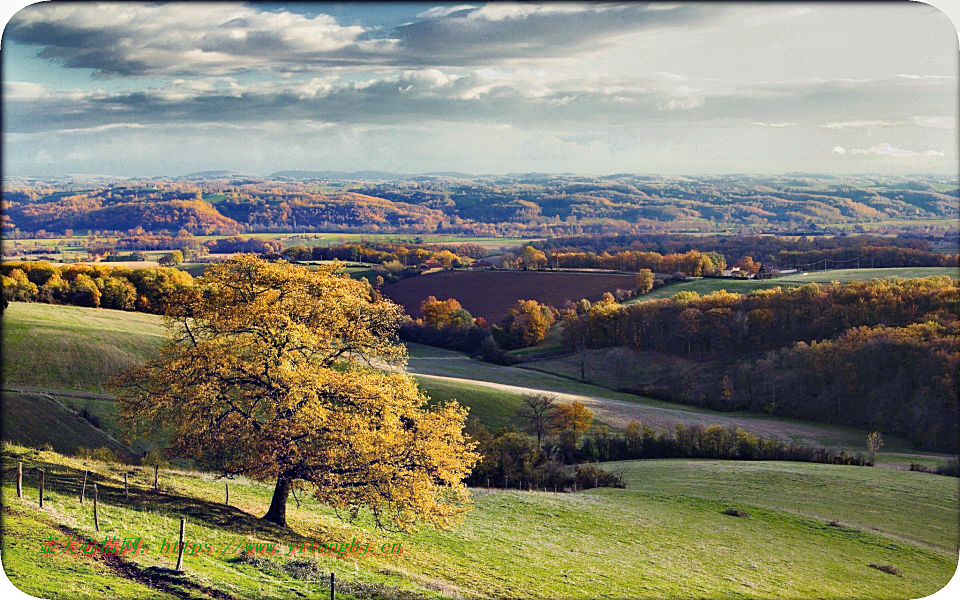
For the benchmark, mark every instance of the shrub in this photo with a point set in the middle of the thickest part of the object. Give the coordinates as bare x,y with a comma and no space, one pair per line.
102,454
591,476
87,414
951,468
887,568
155,459
736,512
304,569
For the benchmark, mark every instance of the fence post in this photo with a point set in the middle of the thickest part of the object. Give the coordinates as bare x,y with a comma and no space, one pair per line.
156,477
226,484
20,479
96,515
332,587
126,489
42,473
83,487
183,529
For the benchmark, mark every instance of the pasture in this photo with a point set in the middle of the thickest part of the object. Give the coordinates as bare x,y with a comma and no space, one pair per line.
666,535
490,294
73,348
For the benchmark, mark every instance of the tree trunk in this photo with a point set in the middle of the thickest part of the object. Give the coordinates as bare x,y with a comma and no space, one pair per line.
278,506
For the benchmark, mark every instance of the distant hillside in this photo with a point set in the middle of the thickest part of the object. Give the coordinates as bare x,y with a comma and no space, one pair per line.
355,175
522,205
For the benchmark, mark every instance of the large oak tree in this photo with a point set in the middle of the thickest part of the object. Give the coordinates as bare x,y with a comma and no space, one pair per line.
280,373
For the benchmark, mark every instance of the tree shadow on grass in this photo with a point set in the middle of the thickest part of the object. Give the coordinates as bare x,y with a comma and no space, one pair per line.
67,481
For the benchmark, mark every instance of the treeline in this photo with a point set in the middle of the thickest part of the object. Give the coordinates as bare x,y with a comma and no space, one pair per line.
883,354
446,324
720,323
459,256
902,380
873,251
236,244
511,205
558,443
121,288
692,263
868,256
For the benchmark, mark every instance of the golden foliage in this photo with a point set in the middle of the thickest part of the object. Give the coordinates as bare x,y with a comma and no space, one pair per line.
274,372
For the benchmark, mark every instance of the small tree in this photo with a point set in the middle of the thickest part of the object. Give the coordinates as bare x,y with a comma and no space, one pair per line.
874,443
171,260
575,417
644,280
537,414
531,258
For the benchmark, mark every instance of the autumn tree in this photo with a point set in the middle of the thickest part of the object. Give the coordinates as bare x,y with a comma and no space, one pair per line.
575,417
171,260
537,414
644,280
271,372
874,443
527,323
531,258
439,313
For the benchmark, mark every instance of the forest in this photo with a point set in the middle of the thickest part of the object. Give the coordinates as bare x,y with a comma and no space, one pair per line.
509,205
877,354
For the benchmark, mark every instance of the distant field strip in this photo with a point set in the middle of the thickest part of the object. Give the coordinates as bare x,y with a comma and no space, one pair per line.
618,409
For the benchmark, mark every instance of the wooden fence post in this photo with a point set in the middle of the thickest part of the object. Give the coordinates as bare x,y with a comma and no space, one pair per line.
20,479
126,488
183,529
42,473
96,515
226,484
156,477
332,587
83,487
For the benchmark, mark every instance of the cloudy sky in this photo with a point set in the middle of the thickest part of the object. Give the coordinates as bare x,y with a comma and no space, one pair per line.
166,89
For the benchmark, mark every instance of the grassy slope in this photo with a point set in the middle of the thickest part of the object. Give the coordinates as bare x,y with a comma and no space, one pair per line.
73,348
639,542
35,420
706,286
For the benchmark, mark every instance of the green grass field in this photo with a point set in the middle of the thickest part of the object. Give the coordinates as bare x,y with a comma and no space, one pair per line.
71,347
665,536
744,286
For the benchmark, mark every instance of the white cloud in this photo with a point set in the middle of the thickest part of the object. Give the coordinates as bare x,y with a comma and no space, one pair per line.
839,150
438,12
849,124
886,149
778,125
23,90
939,122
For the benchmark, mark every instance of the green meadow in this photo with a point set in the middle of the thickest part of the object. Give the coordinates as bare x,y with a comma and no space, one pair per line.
809,530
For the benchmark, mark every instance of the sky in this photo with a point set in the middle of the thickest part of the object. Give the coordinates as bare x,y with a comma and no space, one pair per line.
147,89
